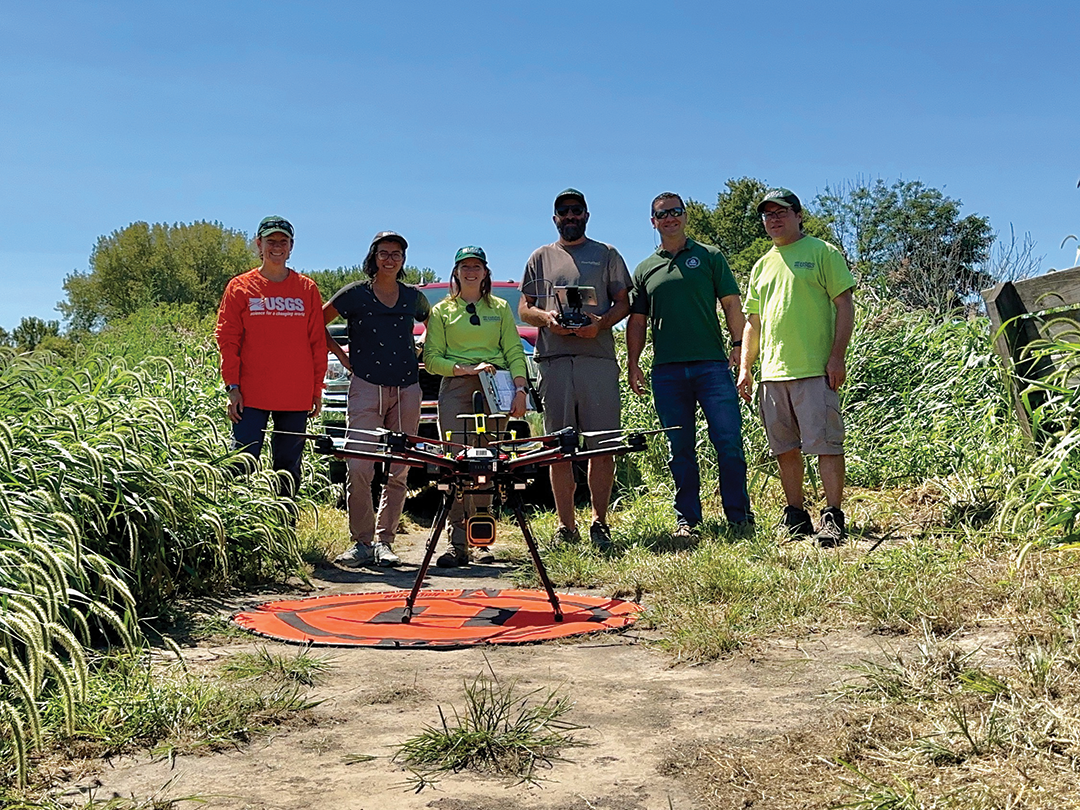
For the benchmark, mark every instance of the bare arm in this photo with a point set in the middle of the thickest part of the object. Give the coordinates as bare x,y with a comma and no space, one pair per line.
618,310
636,329
541,318
329,313
751,338
836,368
736,322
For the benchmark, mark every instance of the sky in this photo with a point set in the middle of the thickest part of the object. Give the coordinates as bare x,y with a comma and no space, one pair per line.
457,123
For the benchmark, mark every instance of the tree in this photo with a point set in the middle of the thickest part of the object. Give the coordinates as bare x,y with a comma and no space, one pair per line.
30,333
734,224
909,241
146,264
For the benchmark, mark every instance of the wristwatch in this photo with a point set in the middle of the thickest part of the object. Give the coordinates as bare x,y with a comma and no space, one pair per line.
519,389
232,387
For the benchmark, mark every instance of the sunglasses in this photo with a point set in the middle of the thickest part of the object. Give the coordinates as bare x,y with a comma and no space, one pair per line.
474,319
664,213
276,224
572,210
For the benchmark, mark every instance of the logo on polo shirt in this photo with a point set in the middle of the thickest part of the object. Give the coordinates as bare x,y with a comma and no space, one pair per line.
693,262
277,305
803,265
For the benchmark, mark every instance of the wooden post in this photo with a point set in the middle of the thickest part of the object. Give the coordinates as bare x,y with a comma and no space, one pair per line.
1014,309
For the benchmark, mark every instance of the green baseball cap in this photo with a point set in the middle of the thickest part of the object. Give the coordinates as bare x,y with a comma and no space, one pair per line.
470,252
781,196
275,225
571,192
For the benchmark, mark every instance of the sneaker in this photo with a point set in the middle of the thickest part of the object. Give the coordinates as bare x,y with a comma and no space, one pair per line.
566,535
600,535
483,555
356,557
684,531
453,557
383,554
833,528
797,522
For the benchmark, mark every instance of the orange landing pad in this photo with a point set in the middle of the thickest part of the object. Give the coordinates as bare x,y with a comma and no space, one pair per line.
452,618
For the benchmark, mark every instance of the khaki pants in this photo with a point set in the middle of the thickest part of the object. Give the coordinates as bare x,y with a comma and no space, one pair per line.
371,407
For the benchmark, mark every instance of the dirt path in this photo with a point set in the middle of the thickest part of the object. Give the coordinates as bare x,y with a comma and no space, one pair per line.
637,708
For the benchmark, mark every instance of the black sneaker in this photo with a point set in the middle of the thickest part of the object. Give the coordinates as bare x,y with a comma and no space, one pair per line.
453,557
833,528
797,522
600,535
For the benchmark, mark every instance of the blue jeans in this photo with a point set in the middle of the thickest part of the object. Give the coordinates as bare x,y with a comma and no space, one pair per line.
678,388
248,435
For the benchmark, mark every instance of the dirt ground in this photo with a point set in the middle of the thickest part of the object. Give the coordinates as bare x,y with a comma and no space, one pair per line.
636,708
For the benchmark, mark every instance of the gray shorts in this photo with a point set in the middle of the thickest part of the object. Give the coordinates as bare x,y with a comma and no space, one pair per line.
802,414
580,392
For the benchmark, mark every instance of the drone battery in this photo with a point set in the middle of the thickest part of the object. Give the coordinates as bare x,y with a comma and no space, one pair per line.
480,530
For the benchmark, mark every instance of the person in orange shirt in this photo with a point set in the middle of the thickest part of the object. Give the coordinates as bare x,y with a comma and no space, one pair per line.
273,351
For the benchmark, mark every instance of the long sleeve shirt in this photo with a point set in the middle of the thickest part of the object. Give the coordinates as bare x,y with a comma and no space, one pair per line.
272,340
453,338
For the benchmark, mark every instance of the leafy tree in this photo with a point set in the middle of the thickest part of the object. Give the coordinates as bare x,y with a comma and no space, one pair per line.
147,264
909,241
415,275
735,226
5,337
30,333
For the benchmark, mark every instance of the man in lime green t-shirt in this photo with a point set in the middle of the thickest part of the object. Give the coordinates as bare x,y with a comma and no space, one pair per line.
800,315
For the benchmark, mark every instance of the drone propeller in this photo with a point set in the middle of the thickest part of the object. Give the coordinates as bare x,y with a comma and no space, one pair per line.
558,434
629,432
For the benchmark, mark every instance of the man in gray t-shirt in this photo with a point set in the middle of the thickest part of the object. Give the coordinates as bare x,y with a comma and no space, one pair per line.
579,375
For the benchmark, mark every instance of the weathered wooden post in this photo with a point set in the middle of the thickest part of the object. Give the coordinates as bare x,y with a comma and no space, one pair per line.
1023,312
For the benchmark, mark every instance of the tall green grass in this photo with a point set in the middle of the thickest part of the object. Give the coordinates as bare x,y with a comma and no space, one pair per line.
924,399
1046,494
117,493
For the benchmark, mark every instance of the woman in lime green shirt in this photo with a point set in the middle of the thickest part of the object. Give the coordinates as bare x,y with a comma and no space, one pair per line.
469,332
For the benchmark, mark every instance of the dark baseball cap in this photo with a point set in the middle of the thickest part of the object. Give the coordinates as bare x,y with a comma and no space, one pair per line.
470,252
781,196
392,236
275,225
571,192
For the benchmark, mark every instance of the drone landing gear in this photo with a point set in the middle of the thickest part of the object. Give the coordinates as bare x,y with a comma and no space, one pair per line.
433,541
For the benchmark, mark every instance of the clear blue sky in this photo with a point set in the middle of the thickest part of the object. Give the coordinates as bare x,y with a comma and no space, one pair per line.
456,123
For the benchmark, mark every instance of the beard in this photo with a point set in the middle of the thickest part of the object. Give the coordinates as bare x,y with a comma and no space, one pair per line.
571,230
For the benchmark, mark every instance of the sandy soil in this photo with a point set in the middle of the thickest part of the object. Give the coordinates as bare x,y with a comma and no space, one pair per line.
636,707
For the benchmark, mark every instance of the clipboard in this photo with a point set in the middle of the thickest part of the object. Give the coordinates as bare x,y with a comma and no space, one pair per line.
499,391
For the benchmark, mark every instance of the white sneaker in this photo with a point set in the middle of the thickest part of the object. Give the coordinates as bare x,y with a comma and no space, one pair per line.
356,557
384,555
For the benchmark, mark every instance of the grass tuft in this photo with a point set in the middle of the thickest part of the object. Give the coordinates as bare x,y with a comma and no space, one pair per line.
500,731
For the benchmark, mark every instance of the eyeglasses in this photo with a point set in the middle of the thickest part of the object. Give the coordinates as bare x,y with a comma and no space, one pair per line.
780,214
475,319
572,210
664,213
396,255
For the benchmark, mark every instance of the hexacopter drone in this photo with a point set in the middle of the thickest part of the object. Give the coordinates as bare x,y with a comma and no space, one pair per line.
502,466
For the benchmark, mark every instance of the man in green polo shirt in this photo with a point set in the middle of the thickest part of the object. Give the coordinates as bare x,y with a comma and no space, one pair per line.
675,291
800,315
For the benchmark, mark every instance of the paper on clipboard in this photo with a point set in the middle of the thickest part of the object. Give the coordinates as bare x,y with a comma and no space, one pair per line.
499,391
